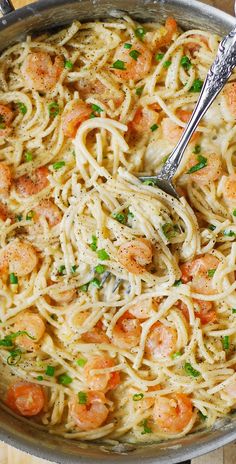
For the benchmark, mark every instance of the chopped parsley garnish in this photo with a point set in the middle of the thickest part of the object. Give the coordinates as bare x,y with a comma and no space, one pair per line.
149,182
100,269
13,278
120,217
130,214
134,54
234,310
154,127
64,379
138,396
58,165
185,63
68,65
102,254
19,217
39,378
159,56
50,371
202,416
28,156
177,283
169,230
93,244
127,45
202,163
211,227
53,109
140,32
189,369
197,86
225,342
229,233
22,108
92,115
84,288
146,429
8,339
96,108
29,215
61,270
73,269
139,90
96,282
211,272
175,355
14,357
234,212
119,64
81,362
197,149
82,397
166,64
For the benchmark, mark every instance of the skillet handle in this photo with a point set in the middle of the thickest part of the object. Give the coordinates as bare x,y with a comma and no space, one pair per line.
6,7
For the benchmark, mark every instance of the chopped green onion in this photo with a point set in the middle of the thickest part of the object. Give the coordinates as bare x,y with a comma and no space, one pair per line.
134,54
138,396
202,417
58,165
53,109
61,270
84,288
92,115
119,64
197,86
185,63
19,217
229,233
100,268
140,32
120,217
130,214
159,56
189,369
73,269
28,156
22,108
50,371
146,429
163,161
40,377
225,342
197,149
169,230
202,163
177,283
234,212
211,227
154,127
175,355
166,64
93,244
95,282
97,108
139,90
81,362
7,340
102,254
149,182
15,357
211,272
64,379
13,278
82,397
68,65
127,45
29,215
234,310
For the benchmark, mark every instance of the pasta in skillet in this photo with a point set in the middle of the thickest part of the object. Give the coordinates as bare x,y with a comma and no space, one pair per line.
117,301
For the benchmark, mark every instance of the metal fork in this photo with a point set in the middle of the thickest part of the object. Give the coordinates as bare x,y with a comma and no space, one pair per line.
216,78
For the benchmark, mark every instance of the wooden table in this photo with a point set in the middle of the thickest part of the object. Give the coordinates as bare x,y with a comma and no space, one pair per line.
226,455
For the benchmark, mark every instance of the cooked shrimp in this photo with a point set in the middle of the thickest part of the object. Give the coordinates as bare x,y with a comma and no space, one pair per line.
26,399
171,29
95,335
205,312
161,341
6,116
27,186
143,309
49,210
211,172
41,72
102,382
72,118
173,413
143,120
95,88
231,389
18,257
195,45
65,296
33,324
91,415
5,179
172,132
230,95
135,68
229,189
127,331
135,255
3,212
197,271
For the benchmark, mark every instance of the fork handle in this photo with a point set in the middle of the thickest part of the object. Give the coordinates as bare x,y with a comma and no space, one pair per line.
216,78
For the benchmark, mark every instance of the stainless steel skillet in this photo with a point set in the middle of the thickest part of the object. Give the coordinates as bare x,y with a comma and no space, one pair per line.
22,434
